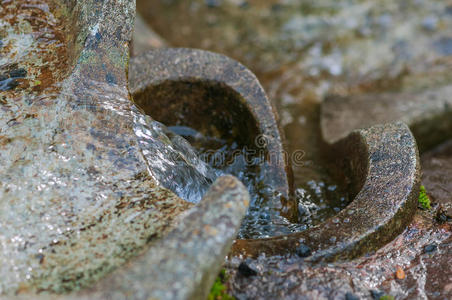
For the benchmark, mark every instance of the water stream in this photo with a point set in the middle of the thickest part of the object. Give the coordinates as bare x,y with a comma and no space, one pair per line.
318,199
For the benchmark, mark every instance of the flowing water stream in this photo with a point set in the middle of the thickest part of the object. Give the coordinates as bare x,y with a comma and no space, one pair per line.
317,199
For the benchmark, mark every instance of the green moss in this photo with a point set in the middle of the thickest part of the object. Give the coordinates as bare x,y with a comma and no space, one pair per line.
424,200
387,297
218,290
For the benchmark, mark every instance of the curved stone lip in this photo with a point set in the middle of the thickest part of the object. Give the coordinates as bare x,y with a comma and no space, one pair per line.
190,255
383,163
191,66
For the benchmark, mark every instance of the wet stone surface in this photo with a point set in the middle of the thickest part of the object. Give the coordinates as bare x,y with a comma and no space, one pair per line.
86,176
79,120
291,278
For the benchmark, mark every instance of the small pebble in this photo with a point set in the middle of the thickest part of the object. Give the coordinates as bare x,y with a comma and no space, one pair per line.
376,295
246,270
303,250
351,296
442,216
18,73
430,248
400,274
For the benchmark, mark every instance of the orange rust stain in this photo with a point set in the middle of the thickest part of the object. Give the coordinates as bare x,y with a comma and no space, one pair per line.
47,62
400,274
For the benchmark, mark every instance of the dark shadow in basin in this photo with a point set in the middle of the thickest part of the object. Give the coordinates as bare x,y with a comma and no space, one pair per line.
219,98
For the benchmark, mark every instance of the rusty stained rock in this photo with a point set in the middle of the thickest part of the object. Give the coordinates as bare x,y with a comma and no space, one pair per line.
79,192
71,209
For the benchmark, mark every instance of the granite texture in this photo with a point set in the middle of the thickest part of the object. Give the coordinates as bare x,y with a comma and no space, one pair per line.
83,169
382,164
185,262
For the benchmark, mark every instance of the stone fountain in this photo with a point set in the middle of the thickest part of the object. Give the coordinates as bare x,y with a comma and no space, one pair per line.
113,204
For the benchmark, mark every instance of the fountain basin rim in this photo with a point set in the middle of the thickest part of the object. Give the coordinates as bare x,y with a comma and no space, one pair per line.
387,159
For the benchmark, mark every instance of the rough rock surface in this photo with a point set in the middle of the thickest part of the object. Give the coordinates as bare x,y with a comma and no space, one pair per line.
291,277
82,167
437,176
185,262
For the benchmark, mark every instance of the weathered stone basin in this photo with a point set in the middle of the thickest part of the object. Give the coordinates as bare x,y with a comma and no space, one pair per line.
287,243
220,98
382,156
427,112
105,202
382,166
